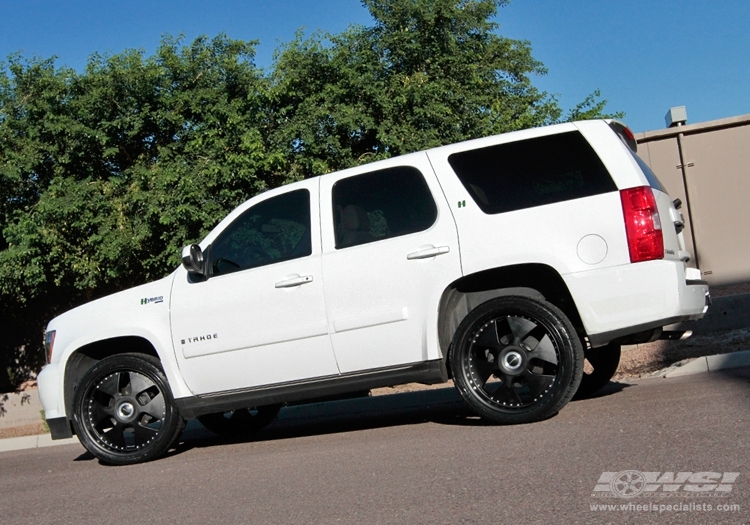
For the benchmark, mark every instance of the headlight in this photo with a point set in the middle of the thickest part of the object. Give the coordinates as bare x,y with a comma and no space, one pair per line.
49,343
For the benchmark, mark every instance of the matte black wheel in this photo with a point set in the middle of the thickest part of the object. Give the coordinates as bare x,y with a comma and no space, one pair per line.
516,359
124,412
242,422
602,365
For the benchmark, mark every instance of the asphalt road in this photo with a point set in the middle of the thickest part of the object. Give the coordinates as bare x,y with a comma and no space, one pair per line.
417,458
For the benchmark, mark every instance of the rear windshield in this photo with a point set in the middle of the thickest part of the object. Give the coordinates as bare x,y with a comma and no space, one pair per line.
532,172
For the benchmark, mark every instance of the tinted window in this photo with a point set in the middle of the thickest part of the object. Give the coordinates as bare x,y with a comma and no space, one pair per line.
381,204
532,172
275,230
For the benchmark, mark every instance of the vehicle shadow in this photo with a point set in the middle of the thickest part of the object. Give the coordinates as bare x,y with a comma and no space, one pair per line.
441,405
613,387
86,456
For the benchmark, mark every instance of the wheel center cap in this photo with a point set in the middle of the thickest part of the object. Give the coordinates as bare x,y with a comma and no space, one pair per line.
513,360
125,411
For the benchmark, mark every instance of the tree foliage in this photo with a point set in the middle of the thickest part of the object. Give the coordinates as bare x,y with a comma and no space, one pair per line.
106,173
428,72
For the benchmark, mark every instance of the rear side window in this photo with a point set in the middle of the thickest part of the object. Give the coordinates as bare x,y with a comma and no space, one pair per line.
532,172
381,204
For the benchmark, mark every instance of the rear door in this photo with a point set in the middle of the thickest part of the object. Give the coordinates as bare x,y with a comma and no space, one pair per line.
390,249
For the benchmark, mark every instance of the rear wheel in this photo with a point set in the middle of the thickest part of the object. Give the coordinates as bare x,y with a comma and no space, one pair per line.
241,422
516,359
601,364
124,412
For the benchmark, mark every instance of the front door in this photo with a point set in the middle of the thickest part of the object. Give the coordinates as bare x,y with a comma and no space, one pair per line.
260,319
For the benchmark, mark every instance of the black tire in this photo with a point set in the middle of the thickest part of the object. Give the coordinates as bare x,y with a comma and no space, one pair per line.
240,423
604,362
516,359
124,412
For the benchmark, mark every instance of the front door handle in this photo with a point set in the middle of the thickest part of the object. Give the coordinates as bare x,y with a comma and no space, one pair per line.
293,281
426,253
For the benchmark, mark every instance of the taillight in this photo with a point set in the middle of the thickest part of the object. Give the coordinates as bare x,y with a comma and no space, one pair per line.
642,224
628,134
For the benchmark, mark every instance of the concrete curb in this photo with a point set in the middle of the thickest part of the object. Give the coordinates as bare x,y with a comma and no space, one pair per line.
41,440
193,430
712,363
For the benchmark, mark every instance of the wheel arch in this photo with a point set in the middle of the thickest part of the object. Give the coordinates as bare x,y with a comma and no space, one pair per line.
86,356
536,280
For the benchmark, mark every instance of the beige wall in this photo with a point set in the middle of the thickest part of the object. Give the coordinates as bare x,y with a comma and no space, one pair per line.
714,186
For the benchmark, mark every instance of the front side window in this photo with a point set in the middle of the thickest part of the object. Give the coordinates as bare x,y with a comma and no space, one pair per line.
380,205
275,230
532,172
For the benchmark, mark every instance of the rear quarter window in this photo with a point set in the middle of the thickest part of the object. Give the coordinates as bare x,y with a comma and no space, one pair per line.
532,172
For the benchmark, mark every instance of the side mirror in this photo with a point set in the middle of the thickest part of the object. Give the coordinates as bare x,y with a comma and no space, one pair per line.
193,260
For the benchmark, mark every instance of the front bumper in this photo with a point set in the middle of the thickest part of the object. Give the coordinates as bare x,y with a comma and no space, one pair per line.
59,428
52,397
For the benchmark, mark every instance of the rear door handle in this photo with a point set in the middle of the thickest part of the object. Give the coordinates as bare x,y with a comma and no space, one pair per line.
294,281
426,253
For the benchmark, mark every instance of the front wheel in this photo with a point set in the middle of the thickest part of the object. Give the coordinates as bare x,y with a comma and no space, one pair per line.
516,359
124,412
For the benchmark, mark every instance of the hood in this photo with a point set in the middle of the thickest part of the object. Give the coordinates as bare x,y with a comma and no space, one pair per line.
139,311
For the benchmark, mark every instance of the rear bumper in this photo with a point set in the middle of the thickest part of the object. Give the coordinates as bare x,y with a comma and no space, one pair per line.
622,300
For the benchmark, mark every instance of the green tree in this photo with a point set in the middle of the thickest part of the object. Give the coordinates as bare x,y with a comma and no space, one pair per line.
428,72
106,173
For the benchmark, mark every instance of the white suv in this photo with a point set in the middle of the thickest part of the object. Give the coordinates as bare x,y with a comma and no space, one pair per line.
502,262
